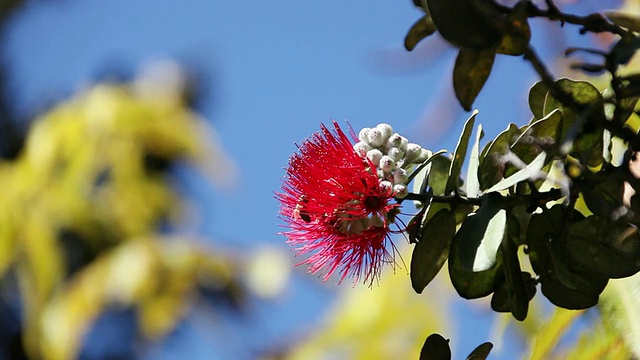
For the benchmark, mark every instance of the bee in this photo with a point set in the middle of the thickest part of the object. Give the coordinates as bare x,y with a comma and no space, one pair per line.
300,211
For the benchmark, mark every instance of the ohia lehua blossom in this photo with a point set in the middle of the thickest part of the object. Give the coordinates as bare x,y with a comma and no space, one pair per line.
338,199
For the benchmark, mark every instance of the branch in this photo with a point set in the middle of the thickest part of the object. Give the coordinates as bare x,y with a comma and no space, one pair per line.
596,23
533,199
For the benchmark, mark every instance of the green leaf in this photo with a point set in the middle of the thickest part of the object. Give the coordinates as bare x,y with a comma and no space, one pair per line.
473,184
481,352
473,259
471,71
420,30
439,174
537,98
482,233
573,130
545,252
606,197
532,171
586,294
605,247
459,155
624,49
543,132
516,289
502,297
432,250
625,19
471,24
492,167
435,348
517,32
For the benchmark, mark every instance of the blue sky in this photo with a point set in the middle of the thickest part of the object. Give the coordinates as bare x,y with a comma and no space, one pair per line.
275,71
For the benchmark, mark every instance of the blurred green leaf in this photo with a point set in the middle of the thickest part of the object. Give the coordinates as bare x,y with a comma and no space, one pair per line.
459,155
471,24
625,19
420,30
470,72
517,33
435,348
431,252
481,352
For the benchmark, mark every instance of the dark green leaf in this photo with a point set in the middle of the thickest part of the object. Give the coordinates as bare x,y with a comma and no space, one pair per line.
518,297
420,30
540,134
481,352
474,263
606,197
435,348
545,251
585,139
470,73
433,249
501,298
624,49
537,98
517,33
472,24
459,155
439,174
492,167
605,247
586,294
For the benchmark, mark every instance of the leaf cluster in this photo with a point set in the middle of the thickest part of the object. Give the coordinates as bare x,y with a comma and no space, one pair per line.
559,191
80,217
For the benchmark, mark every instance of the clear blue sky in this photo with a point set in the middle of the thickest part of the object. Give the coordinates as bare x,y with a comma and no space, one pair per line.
276,70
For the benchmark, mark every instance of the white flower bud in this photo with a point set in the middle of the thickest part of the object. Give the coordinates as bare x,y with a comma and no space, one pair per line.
386,131
362,148
400,191
400,176
374,155
387,164
395,153
386,187
412,153
374,137
403,143
380,174
424,155
362,135
394,141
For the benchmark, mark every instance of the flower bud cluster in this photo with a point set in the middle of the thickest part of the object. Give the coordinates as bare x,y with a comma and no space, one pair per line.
392,154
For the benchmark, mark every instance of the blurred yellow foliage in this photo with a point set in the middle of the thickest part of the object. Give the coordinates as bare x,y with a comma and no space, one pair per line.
93,169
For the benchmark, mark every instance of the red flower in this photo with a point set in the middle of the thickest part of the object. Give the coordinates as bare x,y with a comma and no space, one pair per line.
336,208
